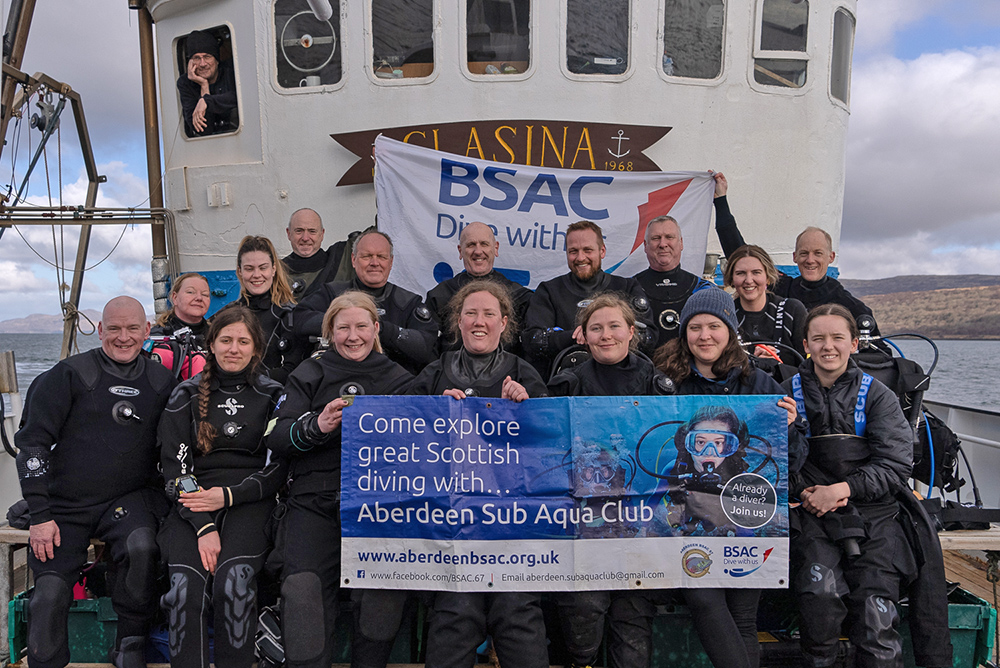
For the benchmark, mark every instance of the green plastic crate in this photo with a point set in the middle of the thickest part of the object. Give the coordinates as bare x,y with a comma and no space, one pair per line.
972,622
92,626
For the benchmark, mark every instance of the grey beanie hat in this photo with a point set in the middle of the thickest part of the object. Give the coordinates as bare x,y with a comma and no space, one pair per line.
713,301
199,41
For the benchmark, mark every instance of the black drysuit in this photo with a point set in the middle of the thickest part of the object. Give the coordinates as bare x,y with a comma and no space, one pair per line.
408,331
460,621
551,318
630,613
87,459
238,409
830,585
309,533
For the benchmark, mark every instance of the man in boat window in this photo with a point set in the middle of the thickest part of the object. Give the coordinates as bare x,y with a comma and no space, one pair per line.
87,464
309,265
813,255
550,325
408,331
478,249
666,285
207,88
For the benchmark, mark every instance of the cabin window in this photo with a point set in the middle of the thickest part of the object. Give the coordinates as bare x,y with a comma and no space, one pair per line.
307,42
597,34
780,59
206,85
497,36
402,38
692,38
840,61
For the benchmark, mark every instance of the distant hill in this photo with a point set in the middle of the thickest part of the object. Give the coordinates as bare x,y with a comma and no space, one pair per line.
899,284
957,313
39,323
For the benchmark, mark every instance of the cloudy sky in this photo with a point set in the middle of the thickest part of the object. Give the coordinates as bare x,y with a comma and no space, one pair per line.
923,178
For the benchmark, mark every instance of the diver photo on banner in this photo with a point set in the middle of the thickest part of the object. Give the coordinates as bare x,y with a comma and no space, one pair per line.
569,493
426,197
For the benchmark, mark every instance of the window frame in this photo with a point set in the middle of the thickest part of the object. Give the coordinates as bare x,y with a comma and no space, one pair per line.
463,47
306,90
756,53
846,104
563,35
370,49
662,41
236,75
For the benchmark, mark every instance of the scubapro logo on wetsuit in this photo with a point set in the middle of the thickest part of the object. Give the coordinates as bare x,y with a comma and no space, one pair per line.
123,391
230,406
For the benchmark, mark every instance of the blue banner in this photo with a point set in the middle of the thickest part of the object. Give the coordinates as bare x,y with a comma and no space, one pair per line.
452,491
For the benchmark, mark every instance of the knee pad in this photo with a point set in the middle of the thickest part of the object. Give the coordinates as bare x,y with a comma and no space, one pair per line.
818,580
380,613
239,601
143,555
879,637
48,616
303,618
186,591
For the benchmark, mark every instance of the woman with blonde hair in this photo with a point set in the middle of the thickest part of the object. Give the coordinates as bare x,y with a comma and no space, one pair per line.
178,337
264,290
307,431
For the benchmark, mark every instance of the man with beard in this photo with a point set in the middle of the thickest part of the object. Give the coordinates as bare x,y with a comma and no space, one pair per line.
408,334
550,324
478,248
308,265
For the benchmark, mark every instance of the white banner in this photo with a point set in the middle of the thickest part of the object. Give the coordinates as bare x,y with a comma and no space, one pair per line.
425,197
560,565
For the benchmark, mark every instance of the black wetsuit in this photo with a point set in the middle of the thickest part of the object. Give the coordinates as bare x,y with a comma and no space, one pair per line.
832,587
408,331
282,351
460,621
305,274
441,294
87,459
667,292
763,326
309,533
629,613
827,290
239,463
222,114
551,317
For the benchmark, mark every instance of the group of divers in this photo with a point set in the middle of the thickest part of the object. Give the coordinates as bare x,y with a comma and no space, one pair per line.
248,444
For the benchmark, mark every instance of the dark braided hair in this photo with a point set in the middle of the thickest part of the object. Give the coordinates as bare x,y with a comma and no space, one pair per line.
231,315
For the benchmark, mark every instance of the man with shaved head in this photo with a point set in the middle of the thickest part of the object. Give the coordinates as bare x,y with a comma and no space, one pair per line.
86,461
478,248
309,265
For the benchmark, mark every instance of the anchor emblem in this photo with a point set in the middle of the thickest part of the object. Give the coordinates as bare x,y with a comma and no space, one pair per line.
620,138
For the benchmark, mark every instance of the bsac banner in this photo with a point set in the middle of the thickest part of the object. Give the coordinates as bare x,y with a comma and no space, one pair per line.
425,198
565,493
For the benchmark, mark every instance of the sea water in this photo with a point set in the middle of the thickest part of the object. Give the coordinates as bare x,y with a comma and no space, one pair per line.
967,373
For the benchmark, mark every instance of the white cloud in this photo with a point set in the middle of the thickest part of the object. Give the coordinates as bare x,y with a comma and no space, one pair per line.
921,156
919,254
878,22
